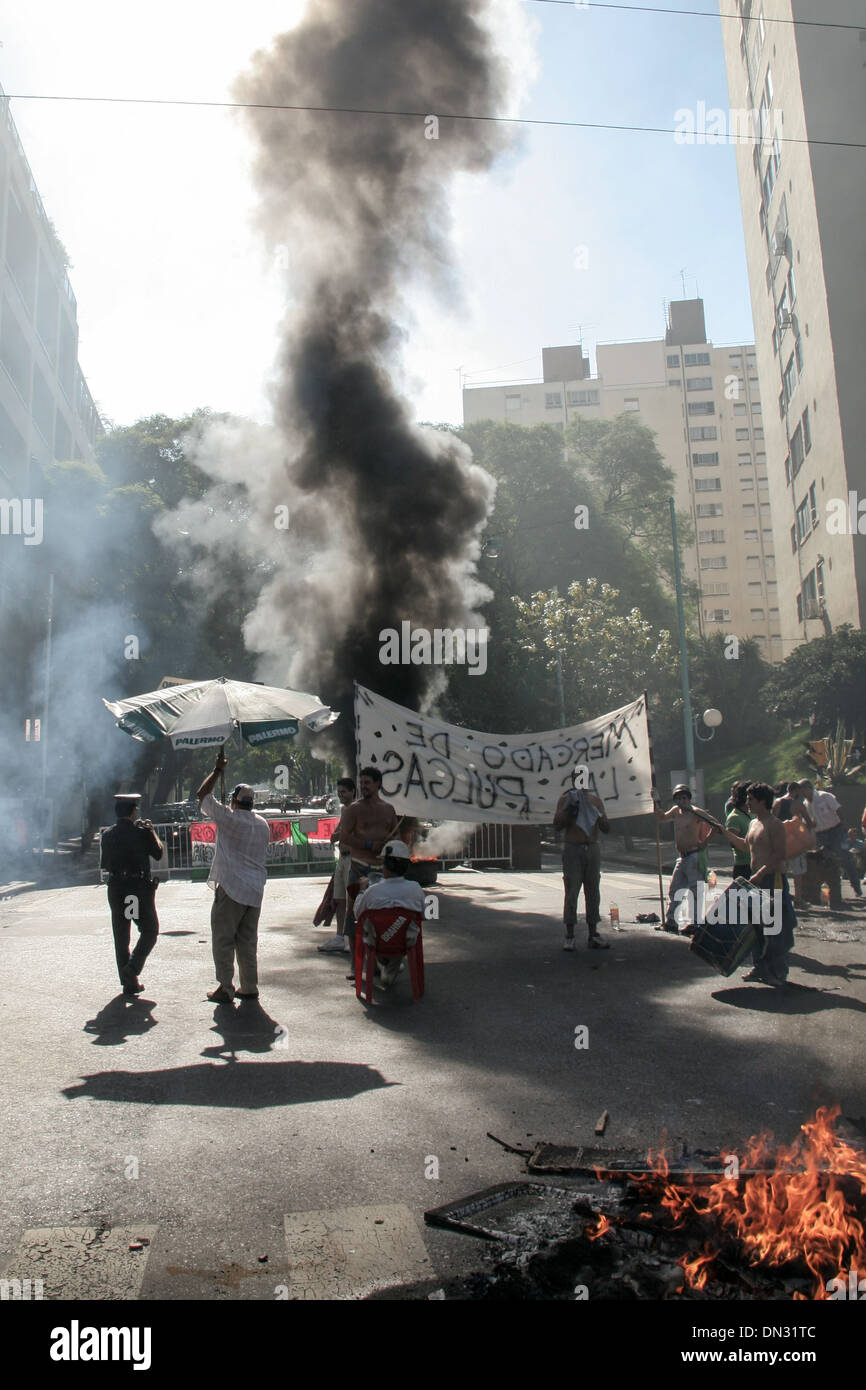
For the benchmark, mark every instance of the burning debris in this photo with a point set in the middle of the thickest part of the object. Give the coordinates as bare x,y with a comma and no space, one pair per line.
775,1222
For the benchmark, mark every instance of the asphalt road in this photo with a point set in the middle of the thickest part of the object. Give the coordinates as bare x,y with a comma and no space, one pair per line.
290,1147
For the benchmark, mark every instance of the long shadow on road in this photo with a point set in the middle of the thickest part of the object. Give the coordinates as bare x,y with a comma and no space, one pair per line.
241,1085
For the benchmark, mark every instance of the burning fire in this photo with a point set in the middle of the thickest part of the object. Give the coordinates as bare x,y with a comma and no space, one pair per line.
788,1204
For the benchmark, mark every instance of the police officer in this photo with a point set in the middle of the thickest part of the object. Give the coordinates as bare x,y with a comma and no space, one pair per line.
127,849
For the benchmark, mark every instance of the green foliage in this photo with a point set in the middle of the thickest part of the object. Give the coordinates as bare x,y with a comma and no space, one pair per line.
822,681
733,686
634,483
606,656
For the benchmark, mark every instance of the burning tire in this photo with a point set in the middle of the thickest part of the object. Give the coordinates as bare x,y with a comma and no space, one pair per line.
423,871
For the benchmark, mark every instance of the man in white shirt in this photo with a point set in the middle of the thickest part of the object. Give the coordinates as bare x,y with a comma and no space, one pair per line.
238,876
393,890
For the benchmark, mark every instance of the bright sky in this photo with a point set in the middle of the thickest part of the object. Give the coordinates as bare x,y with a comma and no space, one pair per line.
178,304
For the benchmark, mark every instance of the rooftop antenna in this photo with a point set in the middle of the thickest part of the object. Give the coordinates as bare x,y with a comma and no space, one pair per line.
683,278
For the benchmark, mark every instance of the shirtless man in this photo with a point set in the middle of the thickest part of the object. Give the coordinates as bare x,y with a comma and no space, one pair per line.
765,842
365,828
346,794
581,815
689,841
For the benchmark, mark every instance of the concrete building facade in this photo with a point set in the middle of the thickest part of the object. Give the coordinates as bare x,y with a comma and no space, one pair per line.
704,406
803,195
46,409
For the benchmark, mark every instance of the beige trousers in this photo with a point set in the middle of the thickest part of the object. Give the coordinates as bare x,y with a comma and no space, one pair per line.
234,931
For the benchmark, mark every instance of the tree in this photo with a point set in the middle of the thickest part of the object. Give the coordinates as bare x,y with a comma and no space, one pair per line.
822,681
731,678
606,657
635,483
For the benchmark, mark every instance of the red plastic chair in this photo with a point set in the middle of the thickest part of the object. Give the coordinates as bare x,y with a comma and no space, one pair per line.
389,925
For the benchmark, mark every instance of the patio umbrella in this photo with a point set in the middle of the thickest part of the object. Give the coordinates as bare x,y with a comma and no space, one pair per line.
201,714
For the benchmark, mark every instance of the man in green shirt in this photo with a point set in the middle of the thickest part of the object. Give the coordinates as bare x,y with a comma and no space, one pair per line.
738,819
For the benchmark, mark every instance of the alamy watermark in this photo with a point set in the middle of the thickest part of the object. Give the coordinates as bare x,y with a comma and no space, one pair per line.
421,646
715,126
22,516
737,907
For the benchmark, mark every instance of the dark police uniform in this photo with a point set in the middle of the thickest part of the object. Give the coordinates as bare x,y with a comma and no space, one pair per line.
127,849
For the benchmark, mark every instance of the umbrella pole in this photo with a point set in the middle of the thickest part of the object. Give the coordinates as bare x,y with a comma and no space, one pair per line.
222,779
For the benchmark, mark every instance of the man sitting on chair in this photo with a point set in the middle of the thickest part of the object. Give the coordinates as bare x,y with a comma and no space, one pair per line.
394,890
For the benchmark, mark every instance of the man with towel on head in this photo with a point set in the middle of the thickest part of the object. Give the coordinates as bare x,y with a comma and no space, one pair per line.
581,815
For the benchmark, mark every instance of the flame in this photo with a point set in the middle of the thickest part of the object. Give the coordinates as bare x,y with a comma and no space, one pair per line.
793,1208
602,1227
696,1271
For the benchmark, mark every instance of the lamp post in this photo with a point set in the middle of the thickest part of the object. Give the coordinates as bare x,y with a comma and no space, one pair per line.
688,722
712,719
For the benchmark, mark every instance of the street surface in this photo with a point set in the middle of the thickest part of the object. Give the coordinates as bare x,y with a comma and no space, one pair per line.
308,1129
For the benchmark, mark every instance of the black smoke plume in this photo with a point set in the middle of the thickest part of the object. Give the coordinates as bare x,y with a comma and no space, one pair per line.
385,516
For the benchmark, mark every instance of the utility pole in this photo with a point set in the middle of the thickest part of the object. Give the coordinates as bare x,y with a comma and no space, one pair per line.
688,731
46,695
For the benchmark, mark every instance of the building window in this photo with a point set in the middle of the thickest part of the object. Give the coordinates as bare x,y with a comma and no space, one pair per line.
775,342
804,522
703,432
673,359
787,470
750,536
699,383
753,562
675,381
740,409
583,397
790,378
756,614
745,460
708,484
755,586
697,359
714,562
705,460
813,505
742,434
798,354
794,540
748,509
716,589
717,615
713,537
735,356
807,430
702,407
631,403
797,450
756,408
747,485
709,509
777,153
512,402
757,434
769,176
553,400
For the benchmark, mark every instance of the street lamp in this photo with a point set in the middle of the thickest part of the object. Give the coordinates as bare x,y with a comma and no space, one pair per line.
712,719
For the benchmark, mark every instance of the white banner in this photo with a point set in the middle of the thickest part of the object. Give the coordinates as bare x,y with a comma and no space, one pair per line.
439,771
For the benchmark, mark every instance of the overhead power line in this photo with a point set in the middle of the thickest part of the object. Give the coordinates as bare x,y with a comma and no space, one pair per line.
694,14
702,138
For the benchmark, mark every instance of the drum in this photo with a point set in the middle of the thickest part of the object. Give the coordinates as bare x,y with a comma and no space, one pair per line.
728,933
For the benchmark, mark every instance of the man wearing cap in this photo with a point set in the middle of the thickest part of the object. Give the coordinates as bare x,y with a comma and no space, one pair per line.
393,890
127,849
581,815
237,876
690,837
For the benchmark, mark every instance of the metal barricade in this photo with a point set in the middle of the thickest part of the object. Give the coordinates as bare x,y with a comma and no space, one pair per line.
488,844
185,857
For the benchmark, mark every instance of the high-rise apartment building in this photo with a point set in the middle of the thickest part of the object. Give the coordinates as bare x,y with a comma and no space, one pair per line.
46,410
800,67
704,406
